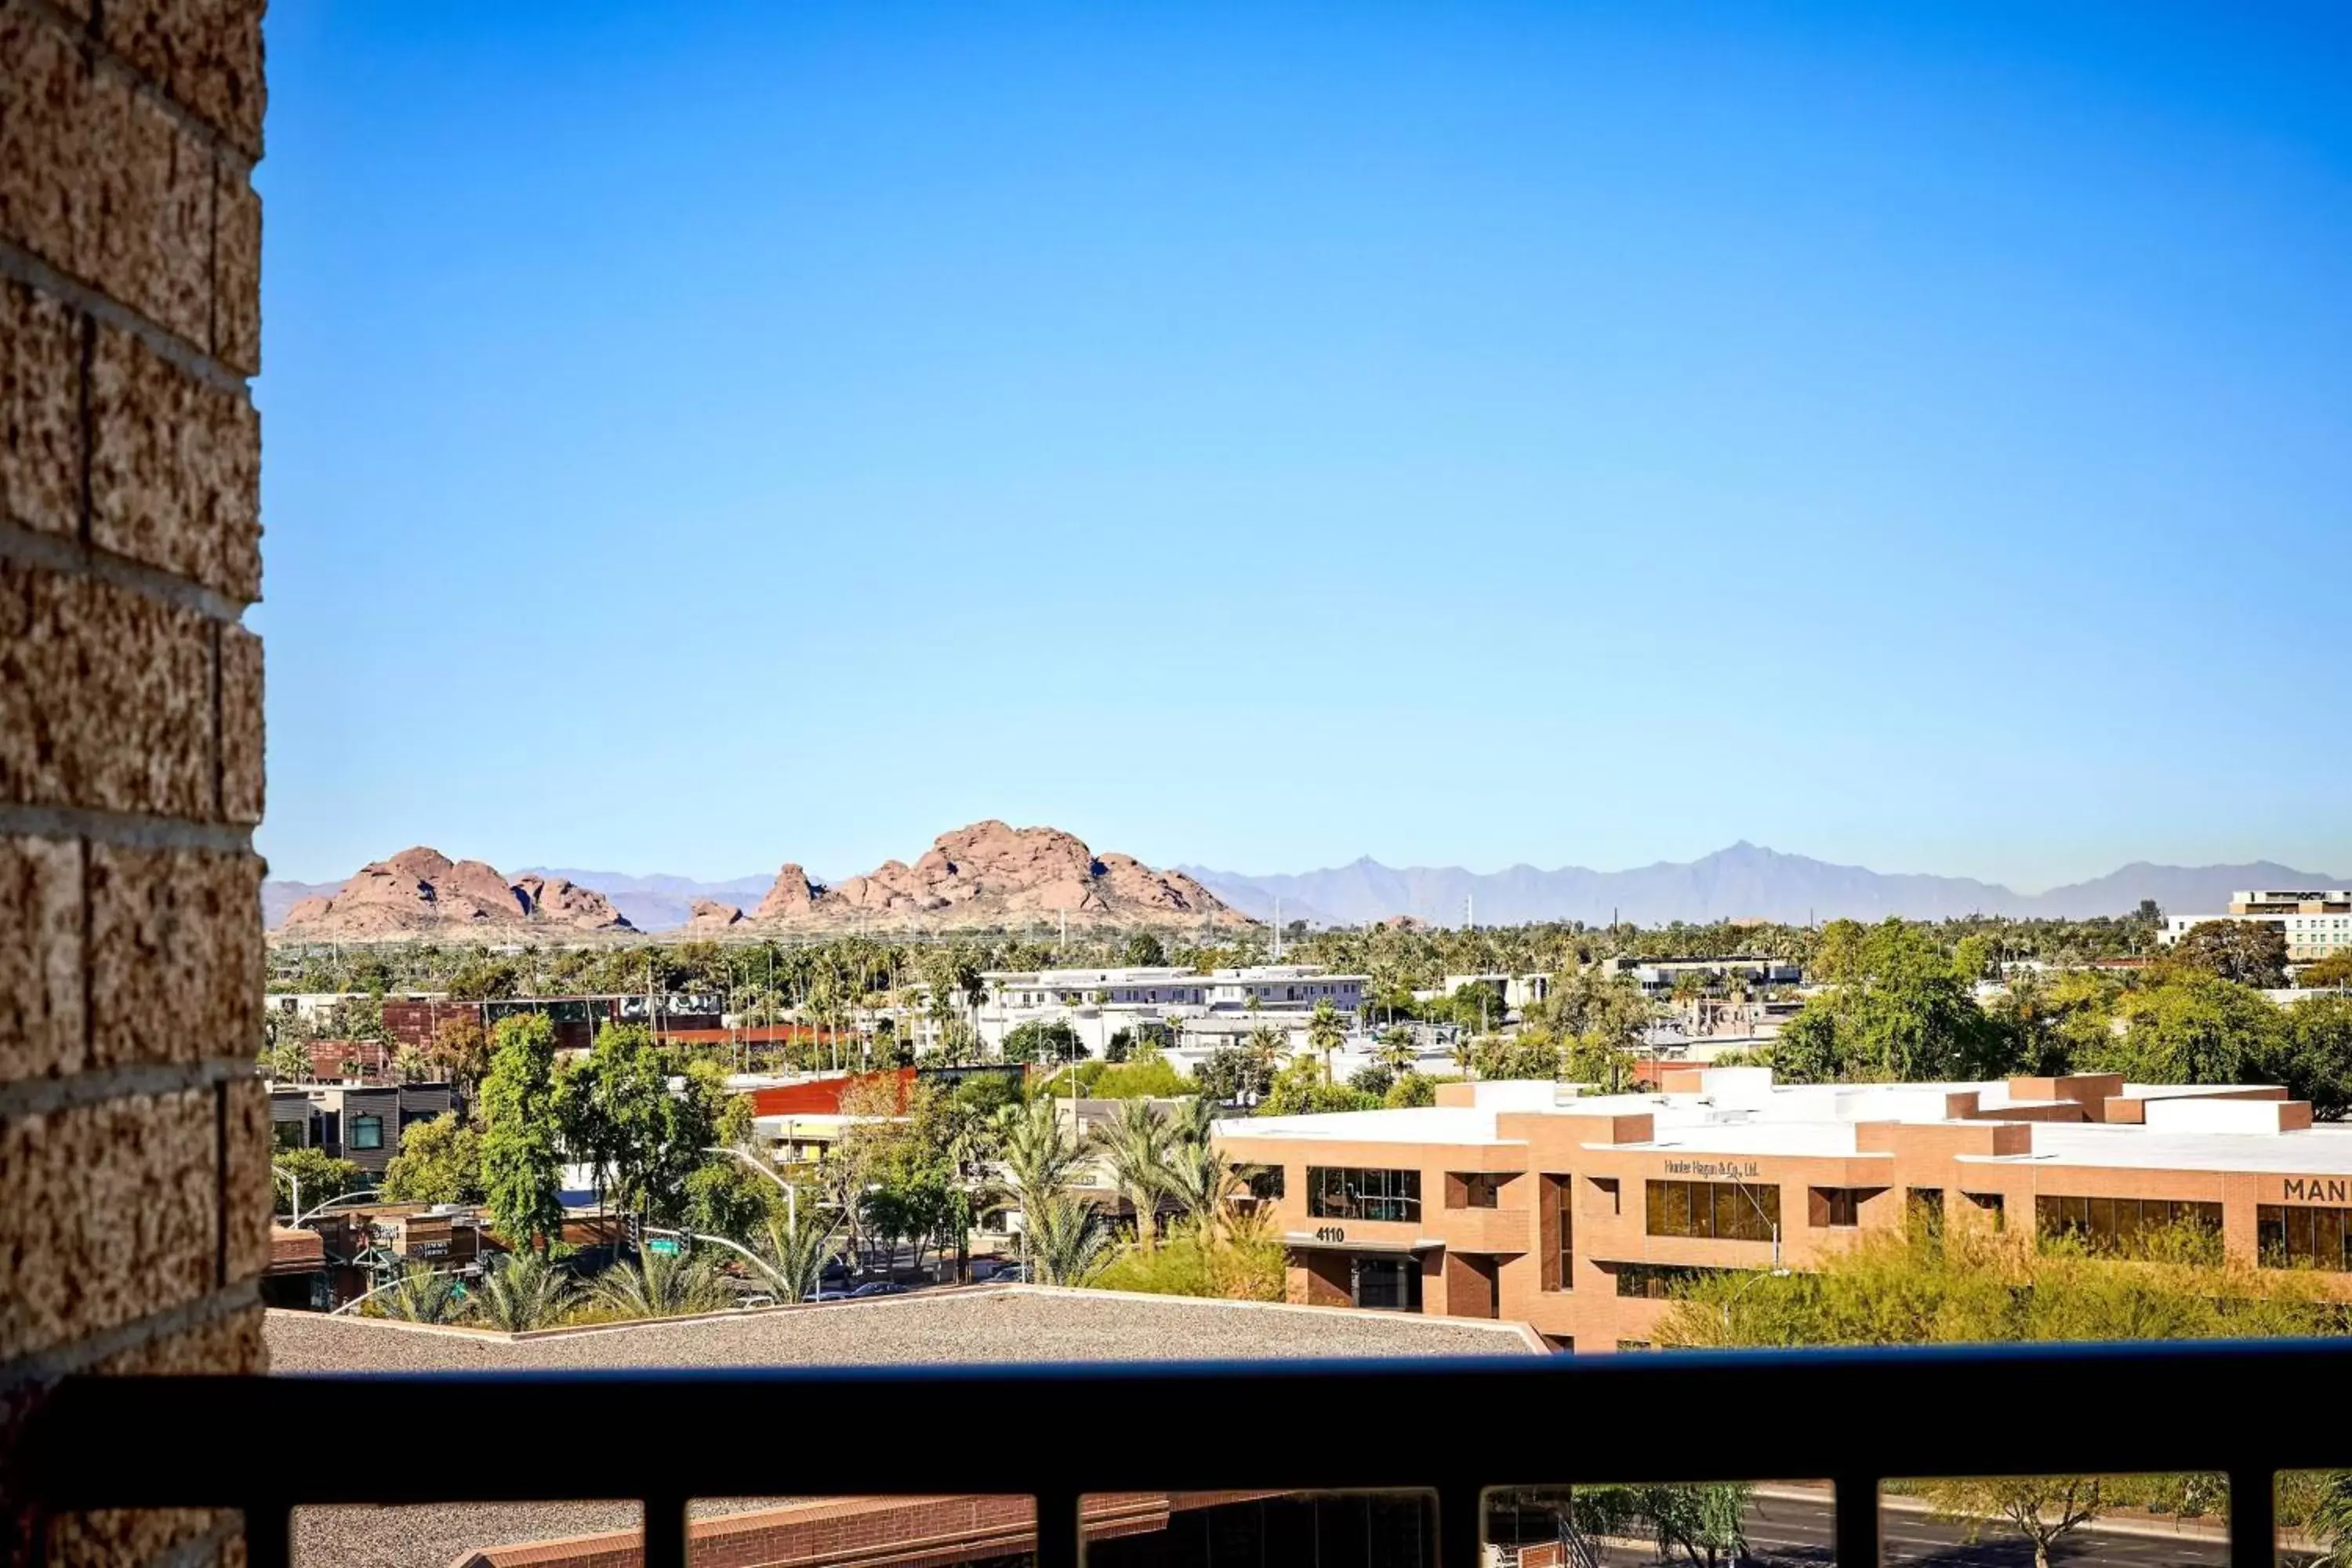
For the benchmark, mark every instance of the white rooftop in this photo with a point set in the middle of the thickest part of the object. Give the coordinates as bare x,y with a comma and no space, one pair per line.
1740,1110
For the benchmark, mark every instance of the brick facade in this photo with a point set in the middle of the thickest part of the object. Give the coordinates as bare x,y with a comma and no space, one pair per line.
134,1135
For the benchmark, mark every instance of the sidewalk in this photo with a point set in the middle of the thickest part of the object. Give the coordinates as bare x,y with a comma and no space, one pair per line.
2142,1525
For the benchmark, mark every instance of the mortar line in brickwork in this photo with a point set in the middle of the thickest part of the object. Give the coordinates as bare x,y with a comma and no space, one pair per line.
73,557
92,38
126,829
41,1366
220,770
45,1096
24,267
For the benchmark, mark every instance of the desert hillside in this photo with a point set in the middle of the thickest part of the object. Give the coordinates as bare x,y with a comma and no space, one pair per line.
989,874
423,893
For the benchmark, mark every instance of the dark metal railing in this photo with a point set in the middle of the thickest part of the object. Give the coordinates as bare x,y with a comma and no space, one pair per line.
1453,1428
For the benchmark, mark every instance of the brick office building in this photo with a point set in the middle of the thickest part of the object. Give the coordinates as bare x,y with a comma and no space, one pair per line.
1576,1216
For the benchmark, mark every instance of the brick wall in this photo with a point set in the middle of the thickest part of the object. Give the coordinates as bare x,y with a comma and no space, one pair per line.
133,1134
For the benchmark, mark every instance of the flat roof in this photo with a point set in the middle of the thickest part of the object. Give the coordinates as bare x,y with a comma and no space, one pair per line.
1013,1323
1742,1111
1407,1125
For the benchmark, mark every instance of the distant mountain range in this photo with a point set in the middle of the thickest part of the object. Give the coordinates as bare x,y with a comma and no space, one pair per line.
1743,882
1746,882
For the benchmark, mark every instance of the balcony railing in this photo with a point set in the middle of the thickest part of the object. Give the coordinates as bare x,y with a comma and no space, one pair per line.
1451,1427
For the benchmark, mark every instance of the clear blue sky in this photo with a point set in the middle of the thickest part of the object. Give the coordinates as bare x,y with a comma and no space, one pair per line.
696,437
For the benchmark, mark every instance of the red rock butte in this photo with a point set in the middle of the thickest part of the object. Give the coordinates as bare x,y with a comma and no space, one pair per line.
989,875
421,891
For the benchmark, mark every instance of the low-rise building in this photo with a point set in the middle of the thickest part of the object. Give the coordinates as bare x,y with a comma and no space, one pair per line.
1099,1004
360,1122
2317,923
1658,977
1578,1215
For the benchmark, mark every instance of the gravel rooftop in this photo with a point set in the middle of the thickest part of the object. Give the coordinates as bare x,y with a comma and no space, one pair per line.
1003,1324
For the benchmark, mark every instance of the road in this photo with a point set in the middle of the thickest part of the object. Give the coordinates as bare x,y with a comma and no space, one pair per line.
1787,1530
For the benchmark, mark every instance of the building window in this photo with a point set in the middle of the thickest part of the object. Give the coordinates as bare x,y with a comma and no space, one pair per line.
1473,1189
1924,1205
1385,1284
288,1134
1992,1205
1660,1281
367,1132
1350,1192
1556,1222
2288,1236
1834,1208
2110,1225
1264,1182
1719,1211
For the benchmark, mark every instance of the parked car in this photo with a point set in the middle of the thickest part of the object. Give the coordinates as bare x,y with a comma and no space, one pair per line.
877,1287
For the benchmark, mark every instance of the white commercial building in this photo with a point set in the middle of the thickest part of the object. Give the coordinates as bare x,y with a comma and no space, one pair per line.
1097,1004
2316,922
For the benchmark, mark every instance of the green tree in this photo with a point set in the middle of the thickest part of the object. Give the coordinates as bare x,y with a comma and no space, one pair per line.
1135,1147
1531,1053
522,1157
461,1049
1069,1244
1300,1089
2311,1054
1327,1031
2334,972
422,1296
799,1247
321,1176
1231,1075
1143,951
524,1291
1896,1014
1043,1041
662,1285
287,1060
2194,1028
440,1162
2248,953
1041,1154
646,1142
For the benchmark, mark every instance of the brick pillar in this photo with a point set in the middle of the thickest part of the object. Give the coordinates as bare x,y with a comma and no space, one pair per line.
133,1132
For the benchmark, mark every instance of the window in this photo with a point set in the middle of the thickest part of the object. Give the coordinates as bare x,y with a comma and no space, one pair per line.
1924,1205
1556,1223
1992,1205
1385,1284
1348,1192
1264,1182
2287,1235
287,1134
367,1132
1659,1281
1721,1211
1473,1189
1835,1208
2109,1225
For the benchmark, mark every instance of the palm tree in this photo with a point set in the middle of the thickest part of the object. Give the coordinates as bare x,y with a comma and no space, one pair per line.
1396,1052
523,1293
1042,1156
422,1296
1205,1183
797,1252
1327,1031
1135,1147
664,1285
1266,1046
1069,1244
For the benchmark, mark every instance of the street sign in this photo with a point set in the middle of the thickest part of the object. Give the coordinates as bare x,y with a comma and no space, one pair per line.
665,1245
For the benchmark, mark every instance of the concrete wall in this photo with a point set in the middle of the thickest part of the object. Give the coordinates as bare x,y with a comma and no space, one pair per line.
134,1186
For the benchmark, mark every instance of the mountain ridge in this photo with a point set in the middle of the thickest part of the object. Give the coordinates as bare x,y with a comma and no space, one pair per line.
1743,881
